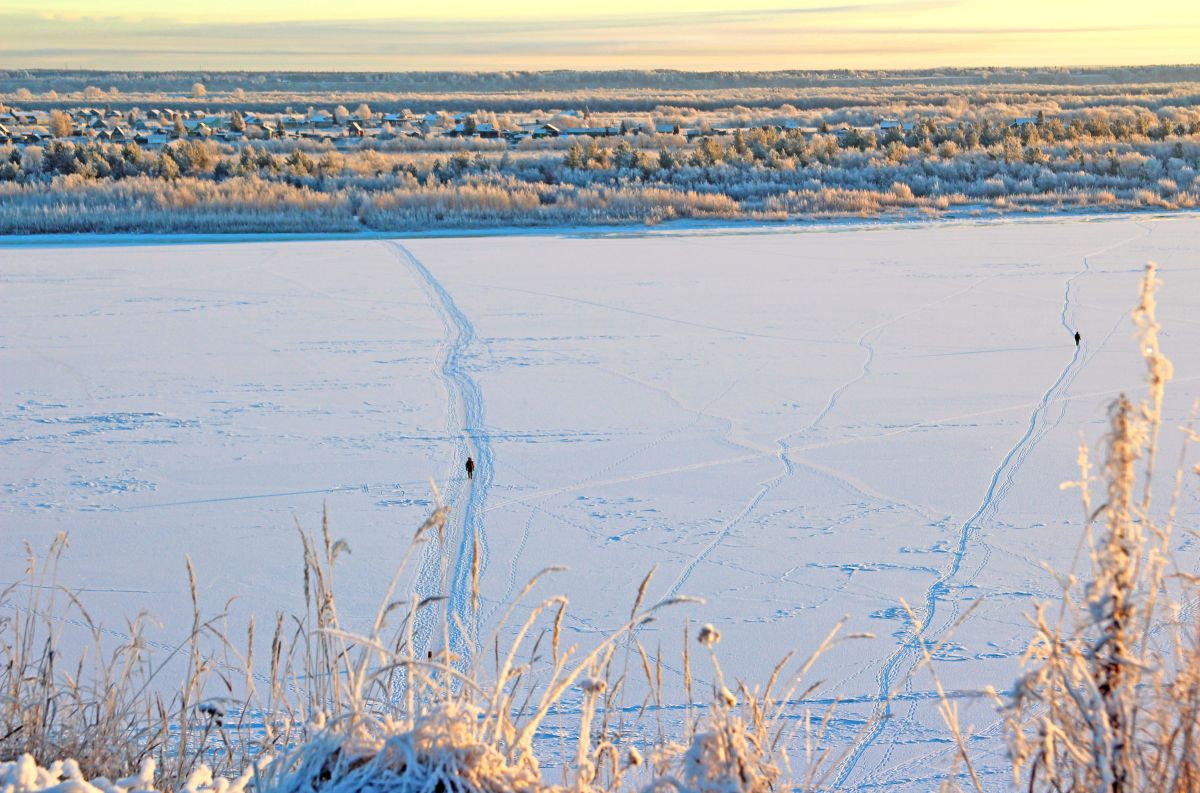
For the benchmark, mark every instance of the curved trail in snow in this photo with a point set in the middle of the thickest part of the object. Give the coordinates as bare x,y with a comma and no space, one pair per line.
466,419
783,454
906,655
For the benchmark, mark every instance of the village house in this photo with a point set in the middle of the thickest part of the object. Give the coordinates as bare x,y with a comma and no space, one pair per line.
407,130
115,135
257,130
151,139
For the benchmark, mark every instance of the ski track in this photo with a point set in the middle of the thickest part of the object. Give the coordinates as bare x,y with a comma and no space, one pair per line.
993,496
783,454
466,405
540,495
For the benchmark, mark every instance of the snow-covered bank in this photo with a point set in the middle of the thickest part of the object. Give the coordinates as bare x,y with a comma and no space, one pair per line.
796,426
975,217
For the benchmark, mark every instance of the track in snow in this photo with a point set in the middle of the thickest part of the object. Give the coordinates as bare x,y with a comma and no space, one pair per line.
999,485
466,419
784,453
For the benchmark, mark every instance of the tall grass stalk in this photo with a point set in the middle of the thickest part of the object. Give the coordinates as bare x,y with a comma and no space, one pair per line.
343,712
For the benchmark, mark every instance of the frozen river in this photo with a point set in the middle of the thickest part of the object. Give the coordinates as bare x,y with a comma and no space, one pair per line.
797,426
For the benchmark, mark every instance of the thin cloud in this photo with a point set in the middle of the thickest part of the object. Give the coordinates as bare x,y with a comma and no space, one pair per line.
834,35
168,27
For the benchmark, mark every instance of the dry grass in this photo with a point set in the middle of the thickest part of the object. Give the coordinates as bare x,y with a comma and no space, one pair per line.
333,711
108,707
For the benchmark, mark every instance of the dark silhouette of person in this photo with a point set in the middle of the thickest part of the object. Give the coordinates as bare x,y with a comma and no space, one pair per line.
470,468
1077,338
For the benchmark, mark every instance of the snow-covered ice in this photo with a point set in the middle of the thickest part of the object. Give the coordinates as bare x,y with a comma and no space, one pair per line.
794,425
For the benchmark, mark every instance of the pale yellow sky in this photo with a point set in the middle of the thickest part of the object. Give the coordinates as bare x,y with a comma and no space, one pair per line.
529,34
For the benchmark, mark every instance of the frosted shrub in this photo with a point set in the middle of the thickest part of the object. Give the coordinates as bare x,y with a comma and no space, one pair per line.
443,748
902,192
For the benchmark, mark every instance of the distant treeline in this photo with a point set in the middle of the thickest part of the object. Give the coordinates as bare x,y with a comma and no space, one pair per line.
1098,161
610,91
564,80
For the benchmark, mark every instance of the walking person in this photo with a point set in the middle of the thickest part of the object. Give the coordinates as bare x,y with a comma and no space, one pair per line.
470,468
1077,338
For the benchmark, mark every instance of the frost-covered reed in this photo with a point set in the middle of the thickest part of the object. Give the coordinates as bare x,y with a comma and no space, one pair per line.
336,711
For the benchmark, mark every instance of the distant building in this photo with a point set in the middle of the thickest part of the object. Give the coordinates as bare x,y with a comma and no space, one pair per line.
595,132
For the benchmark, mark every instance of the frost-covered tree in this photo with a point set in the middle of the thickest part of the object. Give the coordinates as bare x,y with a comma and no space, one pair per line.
199,91
624,156
31,160
331,164
166,167
60,124
574,158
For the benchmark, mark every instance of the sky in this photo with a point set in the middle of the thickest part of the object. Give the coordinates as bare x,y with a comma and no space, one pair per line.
614,34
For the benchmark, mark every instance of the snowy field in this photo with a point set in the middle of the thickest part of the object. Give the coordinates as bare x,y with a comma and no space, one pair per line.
796,426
